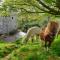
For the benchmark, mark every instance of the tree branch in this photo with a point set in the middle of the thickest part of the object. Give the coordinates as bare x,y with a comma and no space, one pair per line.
53,11
33,6
30,11
44,11
35,12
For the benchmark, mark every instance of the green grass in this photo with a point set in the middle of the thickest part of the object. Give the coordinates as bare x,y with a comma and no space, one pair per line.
29,51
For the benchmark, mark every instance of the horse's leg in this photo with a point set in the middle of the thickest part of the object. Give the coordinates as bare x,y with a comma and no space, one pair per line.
49,44
32,39
46,48
45,44
37,38
26,39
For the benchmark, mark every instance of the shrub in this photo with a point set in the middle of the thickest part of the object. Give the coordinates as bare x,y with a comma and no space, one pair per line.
56,46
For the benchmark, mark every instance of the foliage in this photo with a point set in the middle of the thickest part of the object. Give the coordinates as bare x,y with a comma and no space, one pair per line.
5,50
5,13
55,47
26,21
31,13
32,6
30,51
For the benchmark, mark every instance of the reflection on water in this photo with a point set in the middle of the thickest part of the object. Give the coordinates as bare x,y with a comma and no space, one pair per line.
14,37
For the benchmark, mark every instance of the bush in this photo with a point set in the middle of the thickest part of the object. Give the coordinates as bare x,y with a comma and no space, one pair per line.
26,24
56,46
24,49
38,55
6,50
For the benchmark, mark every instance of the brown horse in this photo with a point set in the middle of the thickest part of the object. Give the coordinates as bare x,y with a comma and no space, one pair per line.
49,32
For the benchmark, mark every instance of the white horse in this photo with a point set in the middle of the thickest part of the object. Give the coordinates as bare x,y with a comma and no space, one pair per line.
32,32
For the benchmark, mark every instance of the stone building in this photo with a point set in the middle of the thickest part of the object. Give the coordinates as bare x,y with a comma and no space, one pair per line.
8,23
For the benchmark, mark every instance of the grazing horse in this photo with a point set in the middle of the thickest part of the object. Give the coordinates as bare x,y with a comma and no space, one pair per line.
32,32
49,32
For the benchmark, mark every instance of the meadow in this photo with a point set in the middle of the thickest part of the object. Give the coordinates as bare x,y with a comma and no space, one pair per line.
29,13
30,51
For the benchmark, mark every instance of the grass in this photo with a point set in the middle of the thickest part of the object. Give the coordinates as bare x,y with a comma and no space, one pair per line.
29,51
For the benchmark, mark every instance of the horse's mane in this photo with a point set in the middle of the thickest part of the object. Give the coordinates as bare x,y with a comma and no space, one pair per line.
52,25
50,29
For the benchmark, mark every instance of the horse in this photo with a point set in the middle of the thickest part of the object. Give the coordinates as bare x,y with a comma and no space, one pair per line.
49,32
33,31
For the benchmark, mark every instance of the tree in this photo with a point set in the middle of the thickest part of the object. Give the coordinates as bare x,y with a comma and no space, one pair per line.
33,6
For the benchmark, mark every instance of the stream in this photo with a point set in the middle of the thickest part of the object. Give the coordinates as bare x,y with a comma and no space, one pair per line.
12,38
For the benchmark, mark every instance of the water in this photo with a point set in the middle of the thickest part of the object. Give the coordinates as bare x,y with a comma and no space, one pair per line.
14,37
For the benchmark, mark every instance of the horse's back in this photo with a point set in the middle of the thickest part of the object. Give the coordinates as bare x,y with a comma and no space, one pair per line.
33,30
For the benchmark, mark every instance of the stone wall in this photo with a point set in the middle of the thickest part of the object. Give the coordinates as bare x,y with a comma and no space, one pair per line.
8,23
